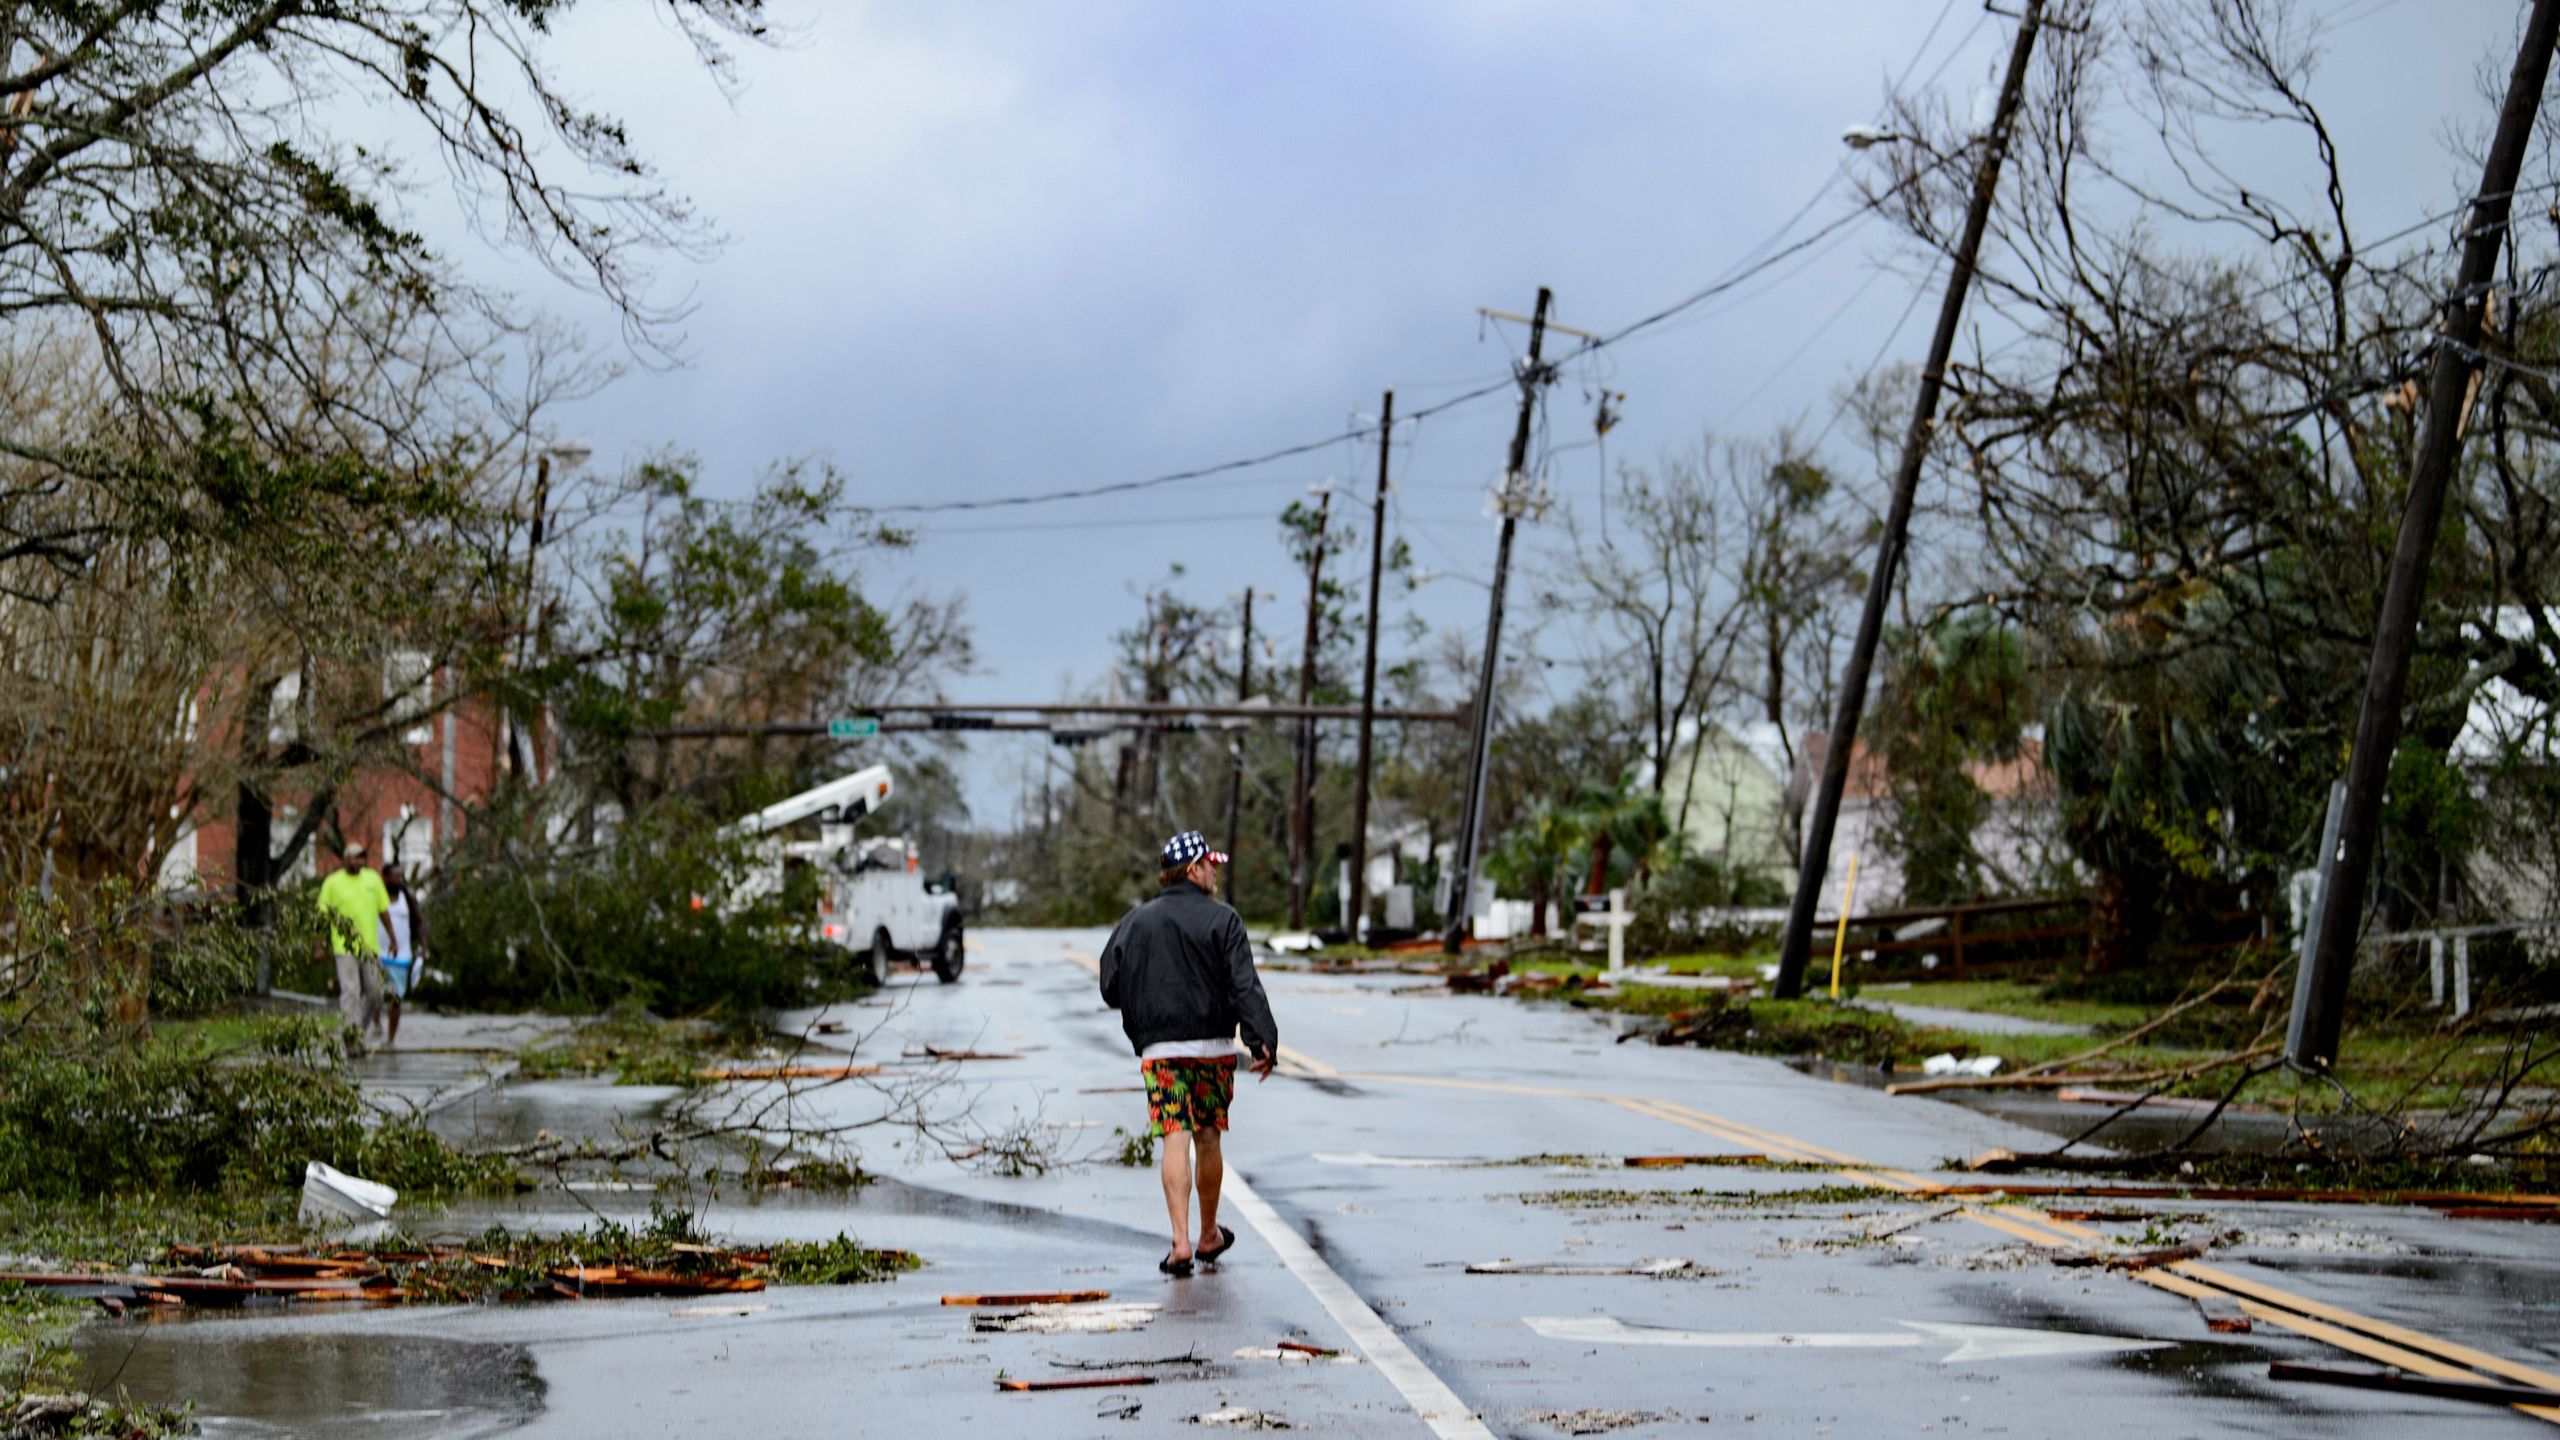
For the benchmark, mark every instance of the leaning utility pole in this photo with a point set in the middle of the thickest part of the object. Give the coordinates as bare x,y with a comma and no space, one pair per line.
1843,739
1235,753
1514,499
2347,868
1369,674
1302,797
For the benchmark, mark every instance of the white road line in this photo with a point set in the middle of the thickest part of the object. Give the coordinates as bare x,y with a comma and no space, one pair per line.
1438,1405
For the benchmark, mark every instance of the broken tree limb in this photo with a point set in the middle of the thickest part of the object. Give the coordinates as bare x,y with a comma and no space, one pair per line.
2223,1315
2402,1382
1914,1223
1077,1382
2036,1190
2120,1041
787,1072
1031,1297
2024,1081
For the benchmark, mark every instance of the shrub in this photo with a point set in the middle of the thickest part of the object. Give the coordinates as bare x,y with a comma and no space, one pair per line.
650,916
192,1115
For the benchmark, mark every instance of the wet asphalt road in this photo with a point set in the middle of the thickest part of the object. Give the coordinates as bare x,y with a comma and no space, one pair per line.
1419,1145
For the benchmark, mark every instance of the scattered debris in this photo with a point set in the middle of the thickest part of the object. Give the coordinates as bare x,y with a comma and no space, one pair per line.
787,1072
2495,1212
1478,982
609,1262
2141,1259
1076,1382
1655,1269
1980,1066
937,1052
1674,1162
2002,1161
1591,1422
1126,1410
1064,1319
1288,1355
2386,1378
2076,1096
1236,1417
1295,942
1187,1357
1031,1297
2223,1315
331,1196
1915,1222
829,1027
1304,1348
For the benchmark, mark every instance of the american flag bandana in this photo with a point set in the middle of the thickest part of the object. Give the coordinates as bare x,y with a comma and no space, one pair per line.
1188,846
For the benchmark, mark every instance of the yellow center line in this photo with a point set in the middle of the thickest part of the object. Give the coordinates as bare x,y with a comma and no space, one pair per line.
2346,1330
2304,1316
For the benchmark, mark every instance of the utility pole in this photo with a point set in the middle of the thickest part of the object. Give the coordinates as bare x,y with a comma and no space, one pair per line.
1302,795
2347,867
1369,674
1235,752
516,758
1515,497
1836,751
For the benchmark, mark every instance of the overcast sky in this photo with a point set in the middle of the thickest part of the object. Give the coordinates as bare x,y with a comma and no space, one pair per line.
989,248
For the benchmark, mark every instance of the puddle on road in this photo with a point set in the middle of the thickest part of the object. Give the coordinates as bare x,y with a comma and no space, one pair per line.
248,1380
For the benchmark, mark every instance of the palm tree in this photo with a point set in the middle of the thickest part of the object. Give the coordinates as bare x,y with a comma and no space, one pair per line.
1531,857
1616,817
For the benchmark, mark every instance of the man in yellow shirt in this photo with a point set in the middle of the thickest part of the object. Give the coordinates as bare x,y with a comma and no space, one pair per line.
353,901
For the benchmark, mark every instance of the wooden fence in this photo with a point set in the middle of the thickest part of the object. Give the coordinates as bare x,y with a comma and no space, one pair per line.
2003,935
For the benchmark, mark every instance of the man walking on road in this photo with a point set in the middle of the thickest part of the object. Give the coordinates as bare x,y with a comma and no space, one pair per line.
352,902
1180,972
404,935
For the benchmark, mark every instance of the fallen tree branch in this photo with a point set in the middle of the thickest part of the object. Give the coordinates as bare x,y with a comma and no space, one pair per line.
2128,1037
2025,1081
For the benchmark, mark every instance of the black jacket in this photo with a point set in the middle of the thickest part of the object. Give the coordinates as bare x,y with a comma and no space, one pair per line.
1179,968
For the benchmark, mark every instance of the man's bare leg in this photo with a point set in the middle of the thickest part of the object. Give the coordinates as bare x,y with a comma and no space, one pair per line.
1212,1167
1173,1163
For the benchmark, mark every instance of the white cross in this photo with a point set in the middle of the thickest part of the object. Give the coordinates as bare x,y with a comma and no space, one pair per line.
1617,918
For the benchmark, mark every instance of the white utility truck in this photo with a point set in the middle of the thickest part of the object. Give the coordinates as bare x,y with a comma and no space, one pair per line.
872,900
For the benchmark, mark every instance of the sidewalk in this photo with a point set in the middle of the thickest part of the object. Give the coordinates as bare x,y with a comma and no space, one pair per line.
444,1059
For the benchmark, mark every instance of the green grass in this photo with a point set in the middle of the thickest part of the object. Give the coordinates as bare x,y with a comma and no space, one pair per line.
2022,999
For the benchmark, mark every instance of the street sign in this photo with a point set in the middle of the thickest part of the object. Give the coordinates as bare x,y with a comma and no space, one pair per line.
858,727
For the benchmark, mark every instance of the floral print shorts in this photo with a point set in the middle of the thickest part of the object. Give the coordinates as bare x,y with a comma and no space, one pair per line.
1188,1094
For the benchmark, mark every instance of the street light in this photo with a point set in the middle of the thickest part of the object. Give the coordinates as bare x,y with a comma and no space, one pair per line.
1859,137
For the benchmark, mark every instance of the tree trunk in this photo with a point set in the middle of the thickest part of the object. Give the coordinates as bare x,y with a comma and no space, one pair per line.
1601,847
2124,919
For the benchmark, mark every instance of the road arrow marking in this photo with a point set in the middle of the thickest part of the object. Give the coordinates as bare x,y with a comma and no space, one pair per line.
1971,1342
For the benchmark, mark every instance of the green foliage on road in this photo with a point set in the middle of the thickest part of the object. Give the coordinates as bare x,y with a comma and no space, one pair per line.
634,1047
194,1112
653,915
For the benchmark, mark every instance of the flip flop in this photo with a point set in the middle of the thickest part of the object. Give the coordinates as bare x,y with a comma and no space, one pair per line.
1176,1268
1212,1257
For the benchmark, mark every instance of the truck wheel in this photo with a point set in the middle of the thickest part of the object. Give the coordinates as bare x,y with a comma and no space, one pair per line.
951,954
881,957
